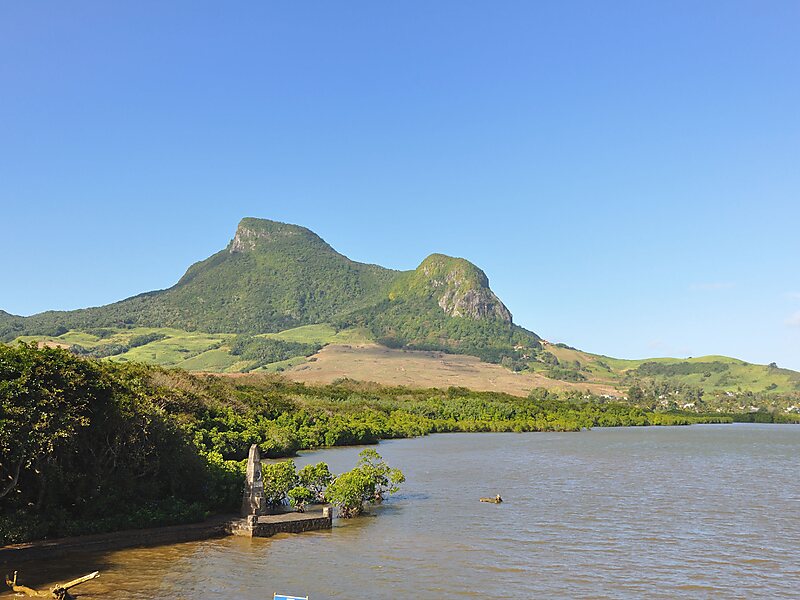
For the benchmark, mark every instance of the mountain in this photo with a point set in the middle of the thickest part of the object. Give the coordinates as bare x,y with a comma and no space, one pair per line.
279,298
274,276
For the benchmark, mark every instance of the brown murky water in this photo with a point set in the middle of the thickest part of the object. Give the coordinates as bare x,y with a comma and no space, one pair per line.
689,512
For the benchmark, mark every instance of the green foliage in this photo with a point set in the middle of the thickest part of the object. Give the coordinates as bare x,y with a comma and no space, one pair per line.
315,478
650,369
102,351
548,358
274,277
279,479
114,348
368,483
299,496
146,338
263,351
81,441
565,374
47,398
22,526
349,491
565,346
636,394
285,282
385,480
419,323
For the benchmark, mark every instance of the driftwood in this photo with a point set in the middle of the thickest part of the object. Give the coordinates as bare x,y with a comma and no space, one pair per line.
496,500
59,591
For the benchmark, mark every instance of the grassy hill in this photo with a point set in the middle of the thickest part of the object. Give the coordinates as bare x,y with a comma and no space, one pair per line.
708,373
322,354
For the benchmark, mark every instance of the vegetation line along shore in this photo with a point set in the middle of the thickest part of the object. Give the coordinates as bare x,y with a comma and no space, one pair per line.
88,446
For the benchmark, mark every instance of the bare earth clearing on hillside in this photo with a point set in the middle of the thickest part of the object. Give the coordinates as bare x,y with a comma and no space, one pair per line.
413,368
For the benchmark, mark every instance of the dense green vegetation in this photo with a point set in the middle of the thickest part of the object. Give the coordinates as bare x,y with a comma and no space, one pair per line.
420,324
271,277
368,483
261,351
85,446
651,369
88,445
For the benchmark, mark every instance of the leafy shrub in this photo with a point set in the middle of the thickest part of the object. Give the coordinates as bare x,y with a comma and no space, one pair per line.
279,478
368,483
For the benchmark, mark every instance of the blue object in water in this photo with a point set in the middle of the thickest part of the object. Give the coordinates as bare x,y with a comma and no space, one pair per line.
284,597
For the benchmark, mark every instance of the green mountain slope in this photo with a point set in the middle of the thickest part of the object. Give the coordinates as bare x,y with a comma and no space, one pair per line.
271,277
274,276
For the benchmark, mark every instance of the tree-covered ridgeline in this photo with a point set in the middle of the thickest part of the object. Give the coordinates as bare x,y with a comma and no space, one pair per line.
275,276
89,446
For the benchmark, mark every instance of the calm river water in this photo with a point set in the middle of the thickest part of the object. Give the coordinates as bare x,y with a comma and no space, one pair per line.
680,512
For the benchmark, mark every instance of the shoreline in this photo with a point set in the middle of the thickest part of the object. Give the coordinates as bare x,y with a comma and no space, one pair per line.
214,527
224,525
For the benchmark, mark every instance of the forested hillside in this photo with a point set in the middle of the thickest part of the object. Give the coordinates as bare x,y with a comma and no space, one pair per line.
274,276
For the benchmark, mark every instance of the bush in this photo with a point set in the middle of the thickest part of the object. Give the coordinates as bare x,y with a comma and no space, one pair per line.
279,478
369,482
299,496
315,478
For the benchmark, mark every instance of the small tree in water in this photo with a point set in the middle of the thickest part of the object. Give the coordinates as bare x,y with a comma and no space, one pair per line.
369,482
279,478
315,478
299,496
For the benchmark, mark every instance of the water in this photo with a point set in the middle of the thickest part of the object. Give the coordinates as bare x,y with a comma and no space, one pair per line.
681,512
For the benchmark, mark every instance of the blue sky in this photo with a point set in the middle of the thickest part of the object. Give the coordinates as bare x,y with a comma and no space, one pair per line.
626,173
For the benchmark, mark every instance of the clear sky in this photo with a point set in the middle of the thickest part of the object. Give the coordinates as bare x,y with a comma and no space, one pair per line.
626,173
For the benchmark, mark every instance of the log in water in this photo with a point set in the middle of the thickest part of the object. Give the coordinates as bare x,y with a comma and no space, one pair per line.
680,512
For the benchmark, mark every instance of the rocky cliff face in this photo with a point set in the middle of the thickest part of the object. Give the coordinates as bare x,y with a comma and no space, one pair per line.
251,232
475,304
460,288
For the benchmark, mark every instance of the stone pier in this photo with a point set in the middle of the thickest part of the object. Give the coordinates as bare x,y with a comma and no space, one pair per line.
313,519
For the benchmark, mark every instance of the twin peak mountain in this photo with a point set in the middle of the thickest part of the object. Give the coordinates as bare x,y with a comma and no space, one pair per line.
274,276
460,288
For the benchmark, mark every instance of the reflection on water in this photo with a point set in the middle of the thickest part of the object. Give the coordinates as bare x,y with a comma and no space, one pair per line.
702,511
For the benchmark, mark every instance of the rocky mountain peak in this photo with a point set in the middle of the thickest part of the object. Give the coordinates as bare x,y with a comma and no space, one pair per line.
460,288
252,232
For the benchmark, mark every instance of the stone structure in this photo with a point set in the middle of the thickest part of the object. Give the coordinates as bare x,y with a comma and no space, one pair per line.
290,522
314,519
254,502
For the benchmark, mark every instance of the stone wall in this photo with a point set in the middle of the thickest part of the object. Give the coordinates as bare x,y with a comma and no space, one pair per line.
104,542
268,526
